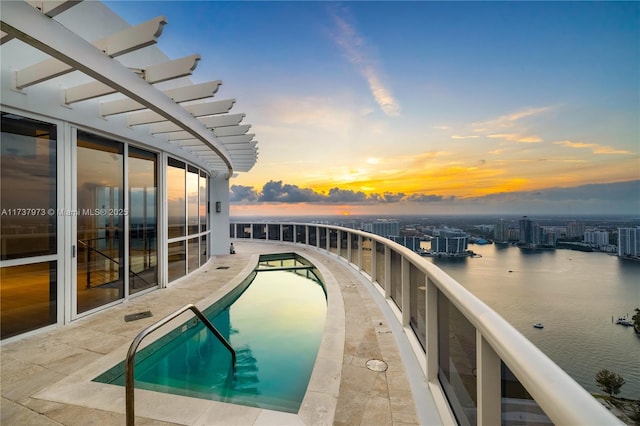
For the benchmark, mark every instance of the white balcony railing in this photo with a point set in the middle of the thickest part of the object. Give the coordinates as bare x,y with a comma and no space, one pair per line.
479,368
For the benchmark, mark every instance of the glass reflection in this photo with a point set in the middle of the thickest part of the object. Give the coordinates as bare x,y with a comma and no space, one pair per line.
177,260
194,254
143,261
193,209
203,250
28,298
518,406
100,260
203,202
457,361
417,302
27,188
380,266
176,198
396,278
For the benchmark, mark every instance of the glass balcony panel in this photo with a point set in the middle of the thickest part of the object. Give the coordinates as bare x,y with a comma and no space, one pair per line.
396,278
177,260
243,230
301,234
367,244
518,407
418,317
287,233
28,298
354,249
259,231
380,266
333,241
313,236
457,361
274,232
344,247
322,235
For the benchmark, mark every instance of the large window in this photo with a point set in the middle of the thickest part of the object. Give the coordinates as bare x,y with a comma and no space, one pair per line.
176,198
188,202
28,222
143,214
101,216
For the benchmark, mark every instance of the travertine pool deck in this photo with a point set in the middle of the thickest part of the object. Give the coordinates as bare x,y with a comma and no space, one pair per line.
45,378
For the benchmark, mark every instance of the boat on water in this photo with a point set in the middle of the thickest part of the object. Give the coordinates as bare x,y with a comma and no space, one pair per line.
538,325
624,321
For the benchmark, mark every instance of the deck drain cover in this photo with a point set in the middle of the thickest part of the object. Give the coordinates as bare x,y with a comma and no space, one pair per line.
137,316
222,267
376,365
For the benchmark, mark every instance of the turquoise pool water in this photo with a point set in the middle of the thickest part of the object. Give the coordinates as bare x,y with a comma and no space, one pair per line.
274,321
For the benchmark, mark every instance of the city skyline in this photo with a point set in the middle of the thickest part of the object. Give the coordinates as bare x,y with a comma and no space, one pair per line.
434,107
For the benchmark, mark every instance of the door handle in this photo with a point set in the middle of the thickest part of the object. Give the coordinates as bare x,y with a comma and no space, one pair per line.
73,251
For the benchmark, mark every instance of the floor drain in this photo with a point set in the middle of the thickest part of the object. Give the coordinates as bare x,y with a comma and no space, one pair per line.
222,267
376,365
137,316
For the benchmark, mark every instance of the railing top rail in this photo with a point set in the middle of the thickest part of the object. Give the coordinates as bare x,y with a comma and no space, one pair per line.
561,397
130,365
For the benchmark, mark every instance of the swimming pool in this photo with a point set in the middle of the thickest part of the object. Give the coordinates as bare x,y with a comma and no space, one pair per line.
274,320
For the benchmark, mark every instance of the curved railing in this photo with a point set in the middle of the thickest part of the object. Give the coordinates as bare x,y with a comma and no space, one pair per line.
479,368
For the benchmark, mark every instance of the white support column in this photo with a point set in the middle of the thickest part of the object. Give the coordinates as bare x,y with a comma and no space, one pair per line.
406,293
489,383
219,221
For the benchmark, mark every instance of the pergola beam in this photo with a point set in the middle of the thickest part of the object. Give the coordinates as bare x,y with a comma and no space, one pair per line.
197,110
152,74
21,21
117,44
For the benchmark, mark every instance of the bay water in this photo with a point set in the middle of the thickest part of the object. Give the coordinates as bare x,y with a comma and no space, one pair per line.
577,296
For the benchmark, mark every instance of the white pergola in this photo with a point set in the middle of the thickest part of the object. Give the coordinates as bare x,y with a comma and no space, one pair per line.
185,116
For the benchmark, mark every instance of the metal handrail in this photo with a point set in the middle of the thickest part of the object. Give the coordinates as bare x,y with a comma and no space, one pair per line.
129,364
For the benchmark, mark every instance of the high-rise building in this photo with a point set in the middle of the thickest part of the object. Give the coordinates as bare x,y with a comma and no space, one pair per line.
449,241
596,237
501,231
629,241
383,227
575,229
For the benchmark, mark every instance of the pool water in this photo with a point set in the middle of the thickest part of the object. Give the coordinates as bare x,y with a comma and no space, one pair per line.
275,326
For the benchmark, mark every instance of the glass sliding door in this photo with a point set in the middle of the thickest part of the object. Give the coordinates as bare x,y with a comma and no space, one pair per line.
28,225
143,212
100,222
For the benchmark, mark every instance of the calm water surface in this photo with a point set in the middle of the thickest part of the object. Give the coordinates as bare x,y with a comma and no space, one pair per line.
574,294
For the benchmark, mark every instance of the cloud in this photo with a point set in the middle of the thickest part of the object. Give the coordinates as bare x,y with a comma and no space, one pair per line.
595,148
590,198
241,193
507,121
355,49
513,137
441,127
464,137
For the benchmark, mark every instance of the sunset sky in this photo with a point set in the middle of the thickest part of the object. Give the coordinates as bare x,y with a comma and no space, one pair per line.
423,107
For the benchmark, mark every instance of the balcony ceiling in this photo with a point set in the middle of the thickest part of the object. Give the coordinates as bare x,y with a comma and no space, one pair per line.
183,115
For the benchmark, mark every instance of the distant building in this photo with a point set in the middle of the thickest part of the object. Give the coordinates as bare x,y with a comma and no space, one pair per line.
629,242
383,227
449,241
525,230
596,238
575,229
501,231
412,243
